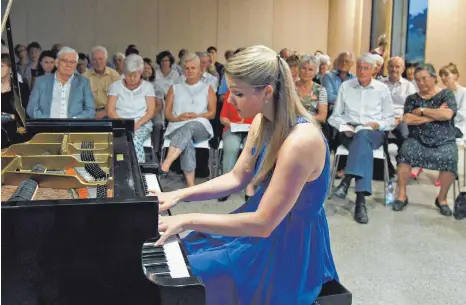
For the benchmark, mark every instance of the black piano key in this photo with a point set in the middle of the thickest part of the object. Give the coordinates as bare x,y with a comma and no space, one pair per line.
161,268
163,275
152,251
154,255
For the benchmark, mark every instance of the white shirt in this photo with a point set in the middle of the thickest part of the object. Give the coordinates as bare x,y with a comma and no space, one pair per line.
61,94
131,104
460,118
190,98
356,105
400,90
165,82
208,79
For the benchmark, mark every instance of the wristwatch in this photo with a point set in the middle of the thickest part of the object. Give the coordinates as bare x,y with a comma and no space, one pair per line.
422,111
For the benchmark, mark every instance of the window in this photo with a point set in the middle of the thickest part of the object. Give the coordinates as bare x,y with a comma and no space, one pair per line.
416,31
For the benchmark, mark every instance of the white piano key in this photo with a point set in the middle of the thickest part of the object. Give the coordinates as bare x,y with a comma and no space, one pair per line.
152,182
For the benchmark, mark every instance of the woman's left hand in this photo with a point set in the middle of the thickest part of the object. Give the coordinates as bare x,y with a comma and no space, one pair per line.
137,125
171,225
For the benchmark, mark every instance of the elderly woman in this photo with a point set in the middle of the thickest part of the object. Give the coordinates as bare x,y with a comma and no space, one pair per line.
293,63
134,98
431,143
188,107
378,67
312,95
324,64
165,76
119,62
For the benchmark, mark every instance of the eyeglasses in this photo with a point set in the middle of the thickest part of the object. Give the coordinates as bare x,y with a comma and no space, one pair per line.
69,62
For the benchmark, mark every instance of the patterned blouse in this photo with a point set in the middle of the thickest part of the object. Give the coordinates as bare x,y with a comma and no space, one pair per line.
312,100
436,133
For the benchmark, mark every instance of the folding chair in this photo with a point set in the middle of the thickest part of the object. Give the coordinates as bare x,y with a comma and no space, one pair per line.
343,151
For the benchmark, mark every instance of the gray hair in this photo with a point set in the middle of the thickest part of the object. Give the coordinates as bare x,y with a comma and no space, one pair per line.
134,63
119,55
378,58
190,57
309,59
67,50
426,67
336,63
368,58
323,59
202,54
99,49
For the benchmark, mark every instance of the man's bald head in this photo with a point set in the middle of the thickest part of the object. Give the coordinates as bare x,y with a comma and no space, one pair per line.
396,67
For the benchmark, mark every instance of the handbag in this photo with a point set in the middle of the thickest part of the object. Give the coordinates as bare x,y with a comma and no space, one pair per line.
460,206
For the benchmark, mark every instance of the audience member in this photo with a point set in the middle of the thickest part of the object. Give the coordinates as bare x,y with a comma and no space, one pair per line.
23,58
382,45
341,72
179,68
363,111
57,47
379,62
30,72
409,72
293,63
228,54
207,75
149,72
449,76
188,107
100,77
318,53
400,89
47,63
232,141
134,98
131,49
119,62
62,94
313,96
9,134
284,53
165,76
324,64
431,143
83,62
213,57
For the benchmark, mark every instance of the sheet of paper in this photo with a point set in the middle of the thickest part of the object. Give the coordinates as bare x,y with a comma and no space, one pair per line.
362,127
239,127
344,128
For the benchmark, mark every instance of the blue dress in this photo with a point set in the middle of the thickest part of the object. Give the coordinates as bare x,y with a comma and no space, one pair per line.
288,267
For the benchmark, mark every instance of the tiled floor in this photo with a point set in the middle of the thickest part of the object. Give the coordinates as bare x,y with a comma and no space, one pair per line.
400,258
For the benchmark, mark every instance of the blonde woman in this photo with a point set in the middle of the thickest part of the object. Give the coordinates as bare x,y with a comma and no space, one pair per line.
240,256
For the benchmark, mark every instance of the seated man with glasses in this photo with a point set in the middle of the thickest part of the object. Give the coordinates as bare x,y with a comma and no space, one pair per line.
63,94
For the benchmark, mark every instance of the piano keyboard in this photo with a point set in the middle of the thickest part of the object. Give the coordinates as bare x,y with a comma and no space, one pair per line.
166,261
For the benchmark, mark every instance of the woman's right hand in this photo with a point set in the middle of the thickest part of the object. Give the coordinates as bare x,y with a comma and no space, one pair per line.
167,200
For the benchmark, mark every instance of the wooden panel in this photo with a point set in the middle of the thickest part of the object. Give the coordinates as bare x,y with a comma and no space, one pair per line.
242,23
300,25
187,24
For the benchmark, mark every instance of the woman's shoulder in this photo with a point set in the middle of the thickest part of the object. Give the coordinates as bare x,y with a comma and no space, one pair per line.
445,93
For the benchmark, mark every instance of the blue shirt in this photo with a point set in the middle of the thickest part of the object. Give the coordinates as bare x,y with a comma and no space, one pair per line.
332,82
223,86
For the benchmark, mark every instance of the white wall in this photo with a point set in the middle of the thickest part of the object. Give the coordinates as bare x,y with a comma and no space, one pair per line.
155,25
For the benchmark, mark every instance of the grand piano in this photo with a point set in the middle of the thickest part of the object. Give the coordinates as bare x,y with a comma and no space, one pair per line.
78,223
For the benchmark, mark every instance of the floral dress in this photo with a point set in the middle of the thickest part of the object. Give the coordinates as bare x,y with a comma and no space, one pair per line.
431,145
312,100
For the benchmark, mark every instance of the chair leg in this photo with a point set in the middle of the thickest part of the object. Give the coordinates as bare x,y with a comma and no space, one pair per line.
333,172
210,162
386,177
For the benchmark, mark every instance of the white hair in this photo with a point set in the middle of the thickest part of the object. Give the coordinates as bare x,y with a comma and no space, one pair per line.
99,49
378,58
134,63
202,54
368,58
119,55
190,57
323,59
67,50
309,59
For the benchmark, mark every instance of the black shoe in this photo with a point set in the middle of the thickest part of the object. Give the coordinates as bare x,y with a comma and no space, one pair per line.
222,199
360,211
443,208
399,205
342,190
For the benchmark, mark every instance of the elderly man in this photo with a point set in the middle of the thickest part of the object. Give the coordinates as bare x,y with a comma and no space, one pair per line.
333,79
62,94
362,113
100,77
208,72
400,89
